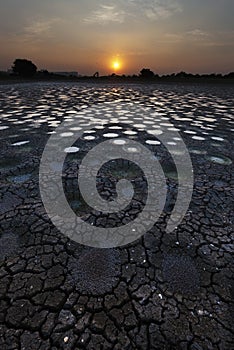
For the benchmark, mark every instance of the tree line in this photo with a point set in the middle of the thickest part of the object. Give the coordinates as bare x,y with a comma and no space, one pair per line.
27,69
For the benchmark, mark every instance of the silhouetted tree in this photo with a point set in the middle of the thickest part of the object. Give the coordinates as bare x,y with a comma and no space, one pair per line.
181,75
230,75
24,68
44,71
146,73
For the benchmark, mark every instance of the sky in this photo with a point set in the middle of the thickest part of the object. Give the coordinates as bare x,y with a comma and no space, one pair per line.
86,36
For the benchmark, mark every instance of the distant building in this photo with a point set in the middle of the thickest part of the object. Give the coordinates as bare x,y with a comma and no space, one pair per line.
67,74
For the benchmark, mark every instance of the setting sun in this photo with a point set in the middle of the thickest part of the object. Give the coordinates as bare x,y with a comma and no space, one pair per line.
116,65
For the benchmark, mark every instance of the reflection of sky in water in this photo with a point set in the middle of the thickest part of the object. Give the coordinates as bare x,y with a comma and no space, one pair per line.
153,142
20,143
200,114
20,178
71,150
219,159
67,134
110,135
89,138
119,142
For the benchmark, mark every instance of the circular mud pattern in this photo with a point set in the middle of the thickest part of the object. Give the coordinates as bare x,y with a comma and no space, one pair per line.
181,274
96,271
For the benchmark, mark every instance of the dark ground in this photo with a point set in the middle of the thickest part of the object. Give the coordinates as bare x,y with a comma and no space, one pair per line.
164,291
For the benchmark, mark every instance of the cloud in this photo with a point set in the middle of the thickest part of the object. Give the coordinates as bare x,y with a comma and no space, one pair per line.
106,14
195,36
215,39
150,9
157,9
198,33
38,29
172,38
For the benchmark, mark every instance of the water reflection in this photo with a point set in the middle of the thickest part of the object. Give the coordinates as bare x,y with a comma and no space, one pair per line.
152,142
71,150
110,135
35,112
219,159
19,178
20,143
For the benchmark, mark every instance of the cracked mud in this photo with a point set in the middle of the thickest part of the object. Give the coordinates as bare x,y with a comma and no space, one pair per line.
164,291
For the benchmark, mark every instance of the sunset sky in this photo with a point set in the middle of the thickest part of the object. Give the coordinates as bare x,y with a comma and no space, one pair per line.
89,35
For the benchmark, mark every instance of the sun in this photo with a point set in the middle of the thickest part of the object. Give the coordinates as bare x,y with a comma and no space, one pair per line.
116,65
